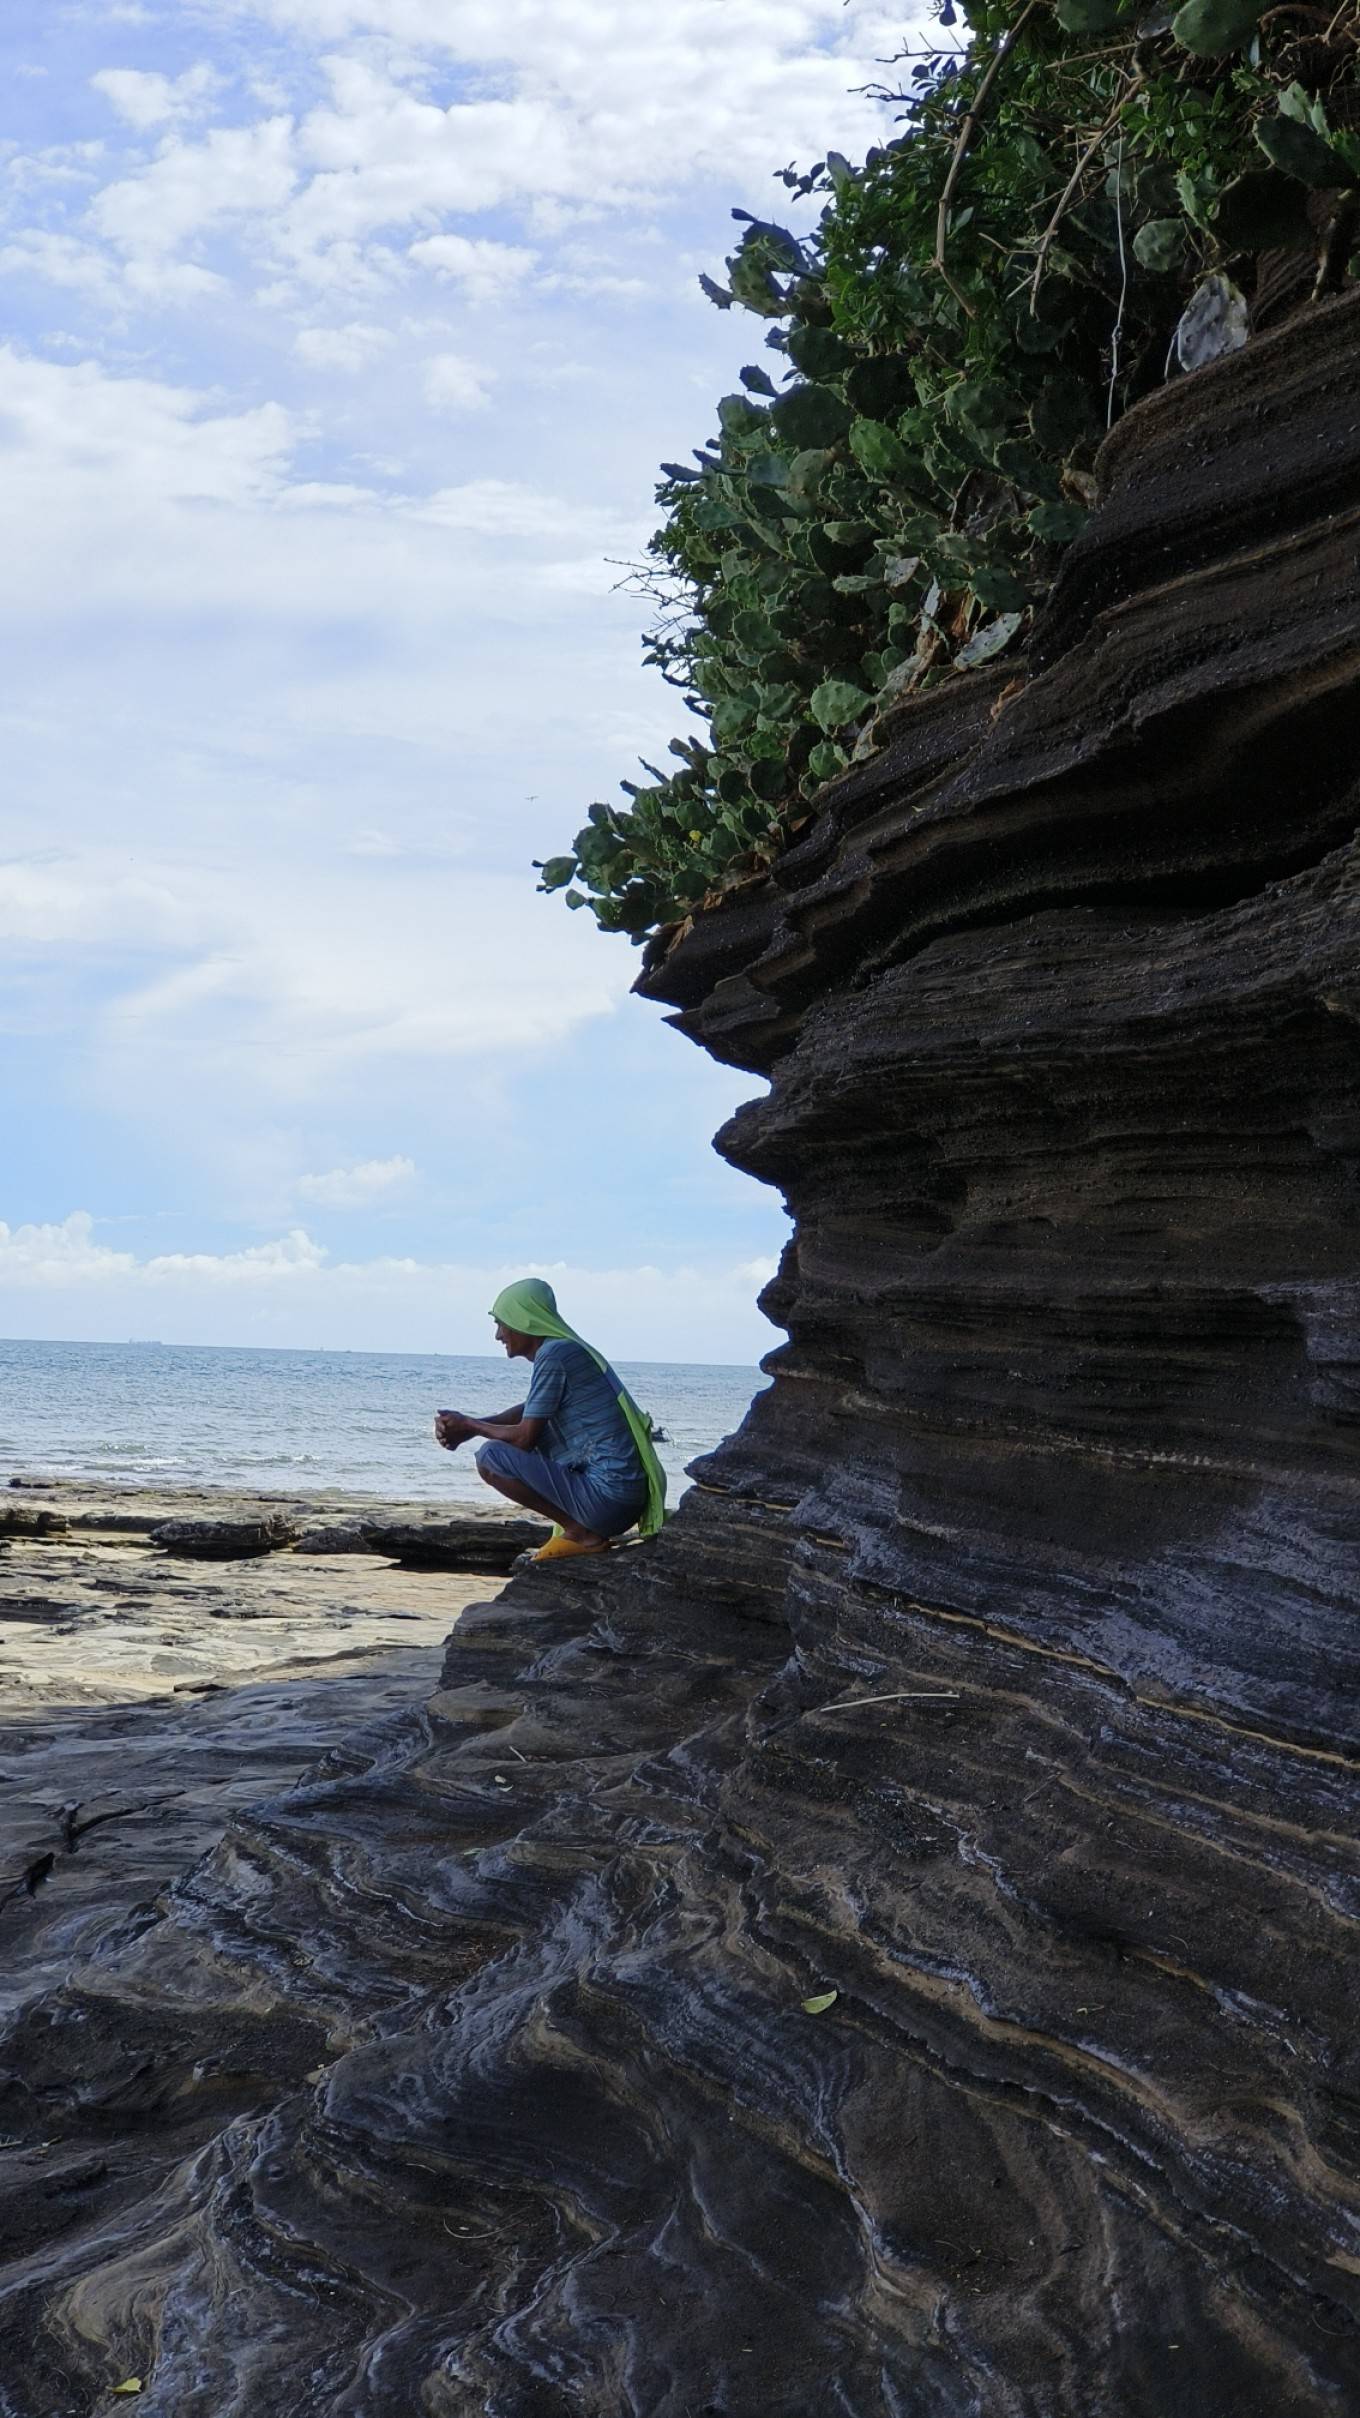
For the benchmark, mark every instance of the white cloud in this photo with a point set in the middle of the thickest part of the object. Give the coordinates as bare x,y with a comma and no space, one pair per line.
67,260
370,842
102,479
64,260
327,495
484,270
356,1187
59,164
569,109
344,348
46,905
145,98
67,1254
74,428
504,508
455,384
291,1289
283,994
238,171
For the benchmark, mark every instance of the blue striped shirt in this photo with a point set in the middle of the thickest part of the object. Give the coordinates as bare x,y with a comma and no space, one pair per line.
585,1427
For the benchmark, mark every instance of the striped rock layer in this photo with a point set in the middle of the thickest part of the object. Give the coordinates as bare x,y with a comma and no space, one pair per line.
999,1677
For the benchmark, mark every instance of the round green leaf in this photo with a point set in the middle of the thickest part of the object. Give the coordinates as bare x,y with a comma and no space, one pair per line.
754,634
1089,16
1159,245
1025,468
881,386
878,452
730,718
806,471
1057,524
810,416
998,589
837,702
827,759
557,872
1211,27
738,416
1301,152
768,779
755,288
818,351
825,552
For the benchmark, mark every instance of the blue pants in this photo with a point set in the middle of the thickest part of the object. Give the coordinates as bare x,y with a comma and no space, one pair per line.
572,1492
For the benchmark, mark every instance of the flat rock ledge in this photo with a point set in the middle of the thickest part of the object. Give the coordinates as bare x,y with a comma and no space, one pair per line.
206,1525
21,1520
456,1544
225,1540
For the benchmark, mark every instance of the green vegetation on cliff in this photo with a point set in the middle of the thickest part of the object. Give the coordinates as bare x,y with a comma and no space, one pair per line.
1088,197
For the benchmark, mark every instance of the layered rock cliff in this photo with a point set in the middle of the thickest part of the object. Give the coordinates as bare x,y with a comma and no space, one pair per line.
1000,1676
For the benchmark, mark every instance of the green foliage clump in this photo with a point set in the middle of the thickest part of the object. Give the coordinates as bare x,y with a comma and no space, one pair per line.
1069,214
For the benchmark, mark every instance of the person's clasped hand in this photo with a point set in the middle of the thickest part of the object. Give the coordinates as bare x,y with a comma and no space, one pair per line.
452,1429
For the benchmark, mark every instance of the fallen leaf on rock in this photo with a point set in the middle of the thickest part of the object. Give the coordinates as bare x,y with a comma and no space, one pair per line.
130,2384
819,2004
1215,321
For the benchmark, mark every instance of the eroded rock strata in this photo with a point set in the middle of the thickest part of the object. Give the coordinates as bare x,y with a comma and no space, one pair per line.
1000,1677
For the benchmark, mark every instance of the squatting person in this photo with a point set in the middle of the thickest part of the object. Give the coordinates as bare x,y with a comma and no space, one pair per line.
577,1449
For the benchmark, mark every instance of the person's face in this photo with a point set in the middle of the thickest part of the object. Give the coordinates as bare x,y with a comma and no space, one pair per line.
516,1345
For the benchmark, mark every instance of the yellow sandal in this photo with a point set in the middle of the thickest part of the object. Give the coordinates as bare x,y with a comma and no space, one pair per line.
560,1548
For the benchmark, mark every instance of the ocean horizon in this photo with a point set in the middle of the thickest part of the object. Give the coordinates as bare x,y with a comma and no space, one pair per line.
325,1422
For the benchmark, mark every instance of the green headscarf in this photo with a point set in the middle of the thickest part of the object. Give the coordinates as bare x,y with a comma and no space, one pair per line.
530,1307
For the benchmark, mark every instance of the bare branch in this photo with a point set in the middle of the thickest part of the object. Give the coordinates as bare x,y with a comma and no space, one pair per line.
966,132
1070,188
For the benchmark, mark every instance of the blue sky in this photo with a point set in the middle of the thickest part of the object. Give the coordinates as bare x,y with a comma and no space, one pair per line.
342,340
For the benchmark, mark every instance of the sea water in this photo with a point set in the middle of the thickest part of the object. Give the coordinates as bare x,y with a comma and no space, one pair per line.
346,1423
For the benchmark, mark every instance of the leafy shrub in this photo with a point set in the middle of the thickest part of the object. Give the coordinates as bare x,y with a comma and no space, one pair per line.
1069,213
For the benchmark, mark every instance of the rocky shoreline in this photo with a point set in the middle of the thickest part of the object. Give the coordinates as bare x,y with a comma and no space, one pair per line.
150,1689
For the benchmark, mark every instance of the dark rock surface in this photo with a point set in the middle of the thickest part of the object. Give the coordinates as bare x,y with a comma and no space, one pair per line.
1001,1677
233,1540
21,1519
456,1544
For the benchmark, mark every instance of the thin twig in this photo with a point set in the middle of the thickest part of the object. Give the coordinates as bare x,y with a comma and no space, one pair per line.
1003,49
1070,188
847,1704
1336,245
1123,281
968,309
